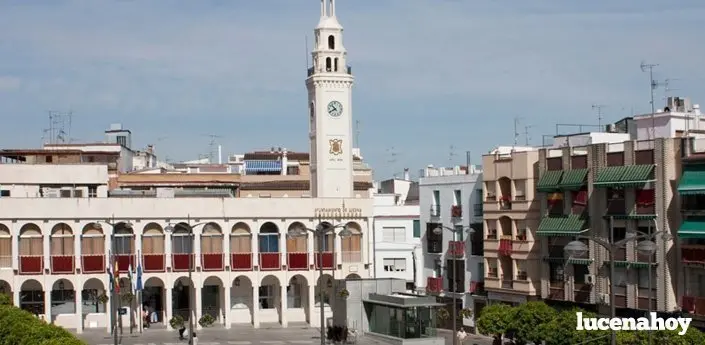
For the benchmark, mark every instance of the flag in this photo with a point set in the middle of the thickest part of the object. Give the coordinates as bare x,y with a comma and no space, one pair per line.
138,284
129,277
116,279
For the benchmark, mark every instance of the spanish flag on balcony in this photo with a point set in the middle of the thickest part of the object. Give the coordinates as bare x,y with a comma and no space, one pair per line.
116,278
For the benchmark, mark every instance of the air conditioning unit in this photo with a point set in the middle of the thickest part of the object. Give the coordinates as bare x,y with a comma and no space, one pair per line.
603,298
589,279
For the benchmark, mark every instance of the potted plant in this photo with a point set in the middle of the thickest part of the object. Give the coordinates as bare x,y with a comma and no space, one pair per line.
443,314
465,313
206,320
127,297
103,298
344,293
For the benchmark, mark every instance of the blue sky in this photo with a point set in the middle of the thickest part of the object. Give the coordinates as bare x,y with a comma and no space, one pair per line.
430,74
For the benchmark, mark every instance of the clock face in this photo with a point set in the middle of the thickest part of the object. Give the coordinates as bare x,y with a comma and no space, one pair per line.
335,109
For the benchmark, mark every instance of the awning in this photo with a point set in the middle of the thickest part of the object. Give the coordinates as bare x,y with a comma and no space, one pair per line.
630,264
693,180
549,181
573,179
692,227
624,176
576,261
570,225
254,166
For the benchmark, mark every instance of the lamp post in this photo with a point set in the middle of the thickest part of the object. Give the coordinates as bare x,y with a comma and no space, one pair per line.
115,312
320,231
171,228
577,248
439,231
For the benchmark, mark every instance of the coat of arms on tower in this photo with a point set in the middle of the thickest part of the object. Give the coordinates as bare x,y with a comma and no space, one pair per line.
336,146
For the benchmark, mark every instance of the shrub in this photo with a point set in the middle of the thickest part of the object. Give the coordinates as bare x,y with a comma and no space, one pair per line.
176,322
206,320
5,299
18,327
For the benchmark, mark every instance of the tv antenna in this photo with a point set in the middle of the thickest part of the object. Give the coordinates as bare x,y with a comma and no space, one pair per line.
212,146
667,87
516,131
357,134
599,108
527,137
59,131
392,155
654,84
451,154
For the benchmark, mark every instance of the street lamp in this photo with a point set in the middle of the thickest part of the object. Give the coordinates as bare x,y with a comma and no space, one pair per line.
439,231
320,231
117,320
577,248
171,228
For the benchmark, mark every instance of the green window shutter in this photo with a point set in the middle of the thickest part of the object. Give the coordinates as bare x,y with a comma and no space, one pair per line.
417,228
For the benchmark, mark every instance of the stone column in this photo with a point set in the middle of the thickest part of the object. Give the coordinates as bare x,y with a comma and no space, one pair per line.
255,306
198,306
78,289
226,305
283,305
169,305
312,320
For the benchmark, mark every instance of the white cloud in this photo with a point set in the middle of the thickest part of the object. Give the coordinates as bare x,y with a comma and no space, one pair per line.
8,83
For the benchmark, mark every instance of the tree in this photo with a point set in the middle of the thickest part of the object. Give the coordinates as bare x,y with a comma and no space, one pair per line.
526,321
561,330
495,320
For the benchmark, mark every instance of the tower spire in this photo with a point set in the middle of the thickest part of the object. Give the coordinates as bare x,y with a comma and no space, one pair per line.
332,8
324,11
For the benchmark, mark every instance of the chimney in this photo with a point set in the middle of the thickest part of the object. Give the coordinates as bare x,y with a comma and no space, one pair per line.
220,154
406,175
467,162
285,160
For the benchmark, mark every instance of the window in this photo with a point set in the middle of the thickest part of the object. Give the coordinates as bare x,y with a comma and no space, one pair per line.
477,241
579,272
5,247
480,270
328,65
619,234
292,170
269,243
457,197
49,159
436,197
328,242
394,234
433,241
241,242
181,244
78,193
293,296
65,193
417,228
91,304
459,234
32,301
267,296
643,275
620,276
335,64
92,191
297,244
352,247
62,243
212,243
122,140
4,193
556,271
63,302
331,42
521,270
394,265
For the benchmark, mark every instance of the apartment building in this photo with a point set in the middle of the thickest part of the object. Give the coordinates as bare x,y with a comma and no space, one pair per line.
397,232
610,192
511,216
451,222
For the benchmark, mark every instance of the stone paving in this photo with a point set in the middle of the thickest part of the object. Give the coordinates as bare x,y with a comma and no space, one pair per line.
293,335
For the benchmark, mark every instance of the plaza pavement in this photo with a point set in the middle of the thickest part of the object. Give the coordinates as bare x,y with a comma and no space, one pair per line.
293,335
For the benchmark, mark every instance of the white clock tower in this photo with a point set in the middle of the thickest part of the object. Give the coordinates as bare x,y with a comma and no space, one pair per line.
329,85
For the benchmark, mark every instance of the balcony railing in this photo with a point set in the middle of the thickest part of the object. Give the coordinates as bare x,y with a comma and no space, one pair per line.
182,262
31,264
434,284
521,275
456,248
270,261
456,211
507,283
694,305
93,263
352,257
241,261
124,261
581,293
154,262
297,261
62,264
492,274
477,288
693,253
557,291
212,261
325,259
505,246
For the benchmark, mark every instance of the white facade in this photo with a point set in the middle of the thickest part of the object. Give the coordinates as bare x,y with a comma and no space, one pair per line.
329,85
61,247
49,180
397,248
440,190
